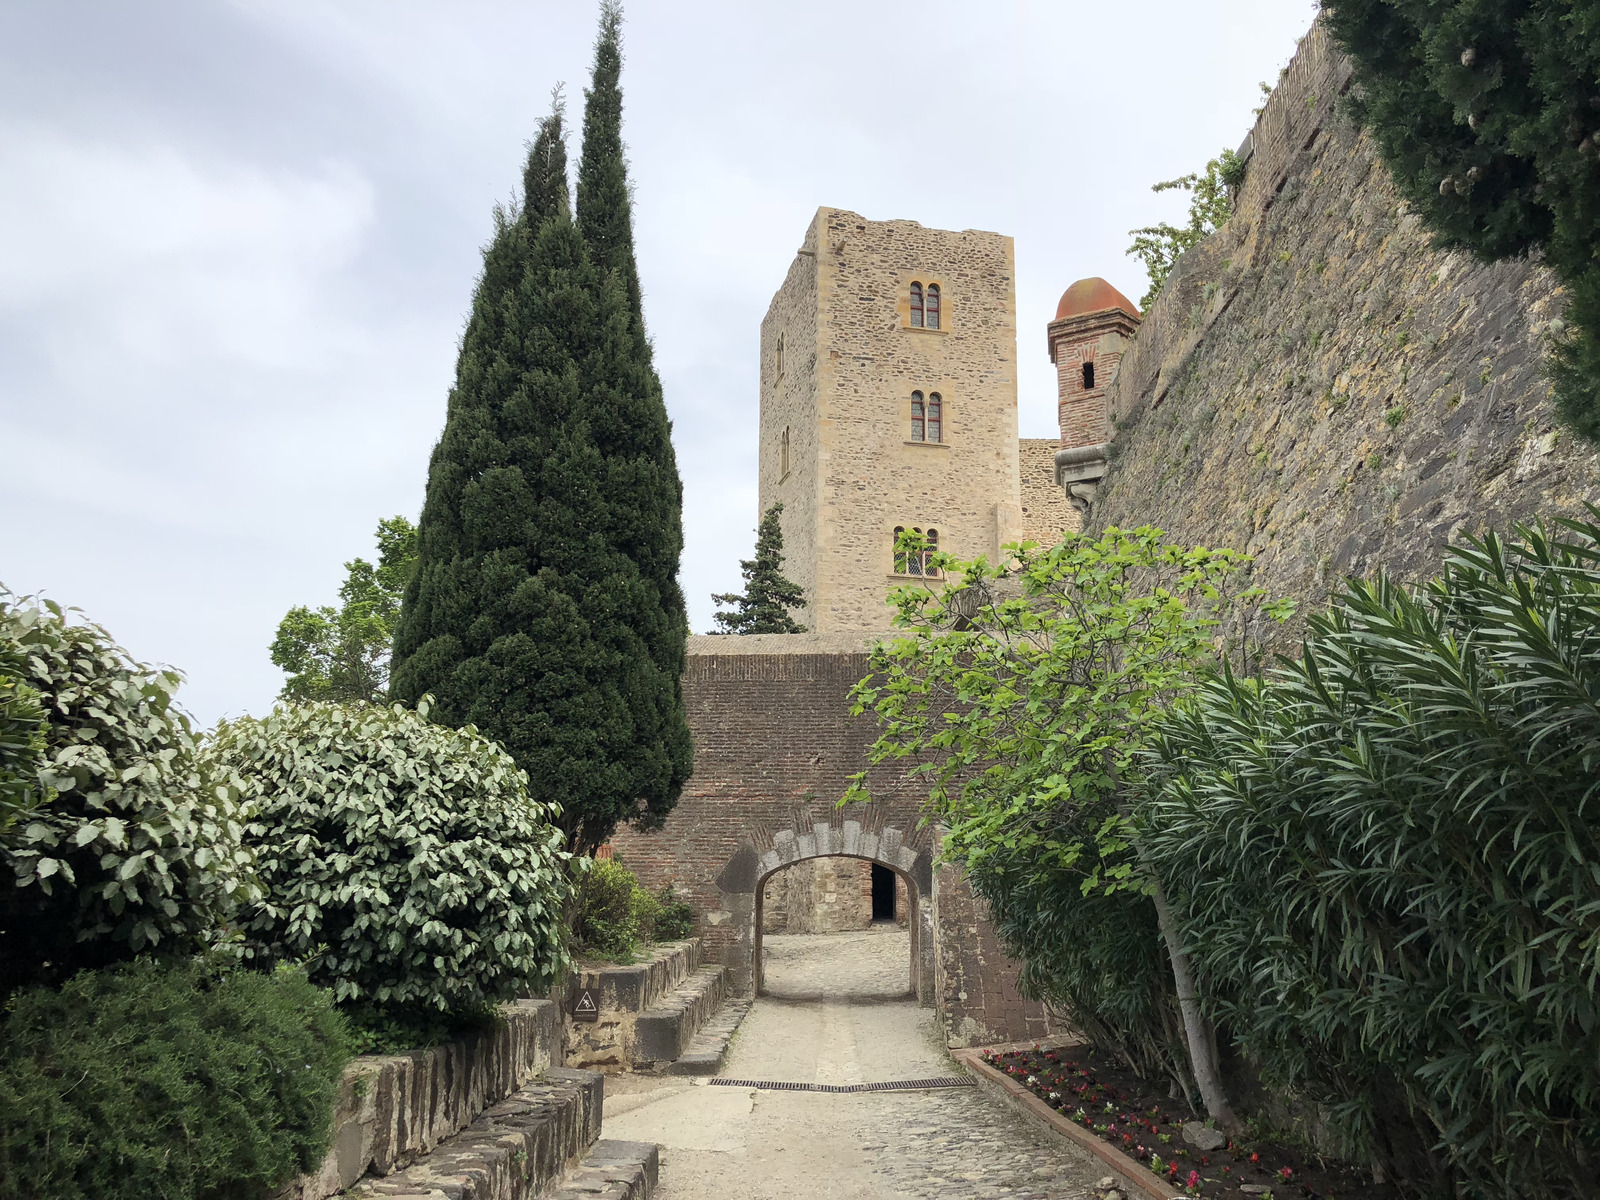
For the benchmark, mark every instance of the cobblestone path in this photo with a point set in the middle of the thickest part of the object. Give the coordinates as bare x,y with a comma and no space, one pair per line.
837,1012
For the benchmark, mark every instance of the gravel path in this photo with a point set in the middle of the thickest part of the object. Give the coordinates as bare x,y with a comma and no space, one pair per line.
837,1012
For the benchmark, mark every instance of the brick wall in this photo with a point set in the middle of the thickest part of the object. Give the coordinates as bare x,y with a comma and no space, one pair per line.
775,747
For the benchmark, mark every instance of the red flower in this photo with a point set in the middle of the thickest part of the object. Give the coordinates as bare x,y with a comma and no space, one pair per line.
1285,1174
1194,1179
1254,1157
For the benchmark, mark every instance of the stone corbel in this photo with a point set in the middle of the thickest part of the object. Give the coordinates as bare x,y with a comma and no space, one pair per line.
1079,470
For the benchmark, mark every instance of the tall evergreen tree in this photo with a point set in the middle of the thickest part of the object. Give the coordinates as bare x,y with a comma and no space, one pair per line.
537,611
768,595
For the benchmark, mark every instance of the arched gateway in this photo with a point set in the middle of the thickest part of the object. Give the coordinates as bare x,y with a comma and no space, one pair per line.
775,749
742,884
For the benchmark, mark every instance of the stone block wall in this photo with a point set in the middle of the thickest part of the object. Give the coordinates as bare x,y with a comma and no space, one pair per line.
1046,511
394,1108
1320,386
860,473
979,1000
819,895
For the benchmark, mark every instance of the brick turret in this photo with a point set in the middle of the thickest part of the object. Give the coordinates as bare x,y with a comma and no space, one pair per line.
1093,324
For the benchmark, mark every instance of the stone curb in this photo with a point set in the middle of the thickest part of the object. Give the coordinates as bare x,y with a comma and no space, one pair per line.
998,1083
614,1170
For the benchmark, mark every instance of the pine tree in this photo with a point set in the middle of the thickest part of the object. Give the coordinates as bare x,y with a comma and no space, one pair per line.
768,596
538,612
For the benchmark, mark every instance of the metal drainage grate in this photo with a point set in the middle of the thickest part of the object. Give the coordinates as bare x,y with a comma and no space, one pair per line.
896,1085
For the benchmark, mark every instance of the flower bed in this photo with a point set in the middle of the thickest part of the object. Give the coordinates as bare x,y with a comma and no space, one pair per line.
1126,1111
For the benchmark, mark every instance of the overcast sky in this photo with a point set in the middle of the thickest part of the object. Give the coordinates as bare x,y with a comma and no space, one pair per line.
238,242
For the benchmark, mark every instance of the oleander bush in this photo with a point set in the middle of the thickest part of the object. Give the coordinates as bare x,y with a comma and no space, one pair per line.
1386,859
403,862
172,1080
138,850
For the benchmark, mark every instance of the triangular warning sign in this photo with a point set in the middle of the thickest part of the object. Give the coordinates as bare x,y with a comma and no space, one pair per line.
585,1002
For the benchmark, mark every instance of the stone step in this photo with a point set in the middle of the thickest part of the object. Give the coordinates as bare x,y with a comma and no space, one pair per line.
663,1034
523,1147
614,1170
709,1047
635,987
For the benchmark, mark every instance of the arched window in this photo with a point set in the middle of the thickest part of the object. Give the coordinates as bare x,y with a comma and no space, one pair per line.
916,562
916,306
935,417
1088,376
783,453
932,306
780,356
917,411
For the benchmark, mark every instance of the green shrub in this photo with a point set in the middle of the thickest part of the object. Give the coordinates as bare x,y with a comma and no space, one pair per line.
605,911
673,919
1386,858
137,850
402,861
21,740
166,1080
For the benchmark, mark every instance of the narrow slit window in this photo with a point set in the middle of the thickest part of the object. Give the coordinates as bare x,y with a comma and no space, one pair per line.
1088,376
783,453
780,356
917,411
935,417
916,306
932,306
899,554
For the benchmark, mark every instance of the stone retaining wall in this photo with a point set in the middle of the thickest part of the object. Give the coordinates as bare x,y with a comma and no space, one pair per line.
392,1109
1321,386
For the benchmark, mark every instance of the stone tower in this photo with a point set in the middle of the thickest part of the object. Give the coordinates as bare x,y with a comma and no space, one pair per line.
888,401
1093,324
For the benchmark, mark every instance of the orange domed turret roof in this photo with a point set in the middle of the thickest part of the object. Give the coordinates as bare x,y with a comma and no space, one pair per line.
1093,295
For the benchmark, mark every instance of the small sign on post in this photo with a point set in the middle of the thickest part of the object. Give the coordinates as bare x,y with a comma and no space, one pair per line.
585,1009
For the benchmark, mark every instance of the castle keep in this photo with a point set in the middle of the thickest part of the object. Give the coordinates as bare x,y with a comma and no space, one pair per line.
888,402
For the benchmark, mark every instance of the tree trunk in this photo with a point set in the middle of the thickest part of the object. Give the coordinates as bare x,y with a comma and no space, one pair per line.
1196,1029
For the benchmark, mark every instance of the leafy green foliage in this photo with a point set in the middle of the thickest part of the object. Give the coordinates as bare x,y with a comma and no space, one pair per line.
672,919
403,862
1025,694
546,609
768,596
21,740
166,1079
138,850
605,908
1160,246
343,654
1486,114
1387,860
612,913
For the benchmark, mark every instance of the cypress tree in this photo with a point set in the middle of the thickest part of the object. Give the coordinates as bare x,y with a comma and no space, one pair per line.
536,612
768,595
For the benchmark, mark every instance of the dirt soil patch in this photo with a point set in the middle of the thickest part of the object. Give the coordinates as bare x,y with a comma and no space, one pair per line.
1105,1098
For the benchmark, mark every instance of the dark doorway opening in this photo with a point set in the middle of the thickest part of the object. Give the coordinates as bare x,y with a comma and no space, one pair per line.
882,893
